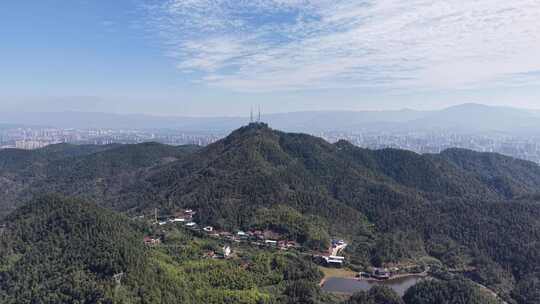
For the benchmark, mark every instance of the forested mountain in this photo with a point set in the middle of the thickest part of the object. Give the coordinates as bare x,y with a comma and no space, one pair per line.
15,159
508,176
457,206
476,213
59,250
95,172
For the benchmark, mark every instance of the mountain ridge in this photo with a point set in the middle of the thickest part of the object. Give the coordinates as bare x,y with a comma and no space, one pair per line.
480,119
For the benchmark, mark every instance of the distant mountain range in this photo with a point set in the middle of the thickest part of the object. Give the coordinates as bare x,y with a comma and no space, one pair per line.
465,118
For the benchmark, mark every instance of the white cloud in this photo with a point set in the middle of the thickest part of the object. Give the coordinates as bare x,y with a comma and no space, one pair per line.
266,45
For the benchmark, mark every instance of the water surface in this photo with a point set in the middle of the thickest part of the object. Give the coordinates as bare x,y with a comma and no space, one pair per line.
350,286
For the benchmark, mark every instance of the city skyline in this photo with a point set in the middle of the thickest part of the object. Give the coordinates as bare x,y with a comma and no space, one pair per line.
422,142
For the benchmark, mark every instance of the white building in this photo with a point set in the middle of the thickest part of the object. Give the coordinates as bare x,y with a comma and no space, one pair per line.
178,220
226,251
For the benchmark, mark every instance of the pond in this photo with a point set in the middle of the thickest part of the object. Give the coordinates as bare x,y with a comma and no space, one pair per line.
350,286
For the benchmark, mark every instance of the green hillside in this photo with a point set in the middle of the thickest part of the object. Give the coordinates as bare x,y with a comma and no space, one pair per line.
392,205
93,172
58,250
15,159
471,214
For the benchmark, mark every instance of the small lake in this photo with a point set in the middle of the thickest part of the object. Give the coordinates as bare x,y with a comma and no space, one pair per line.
350,286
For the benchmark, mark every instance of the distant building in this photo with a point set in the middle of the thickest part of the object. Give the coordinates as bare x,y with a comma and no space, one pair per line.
30,144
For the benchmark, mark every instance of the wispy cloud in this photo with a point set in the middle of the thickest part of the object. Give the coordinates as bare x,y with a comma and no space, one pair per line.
266,45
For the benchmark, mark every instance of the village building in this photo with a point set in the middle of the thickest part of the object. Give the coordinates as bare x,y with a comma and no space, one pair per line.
329,261
334,261
177,220
151,241
242,235
270,242
334,257
256,234
271,235
336,243
285,244
381,274
227,235
293,244
227,251
189,213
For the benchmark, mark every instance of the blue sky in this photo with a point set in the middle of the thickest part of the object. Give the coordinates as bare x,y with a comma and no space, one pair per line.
218,57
